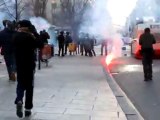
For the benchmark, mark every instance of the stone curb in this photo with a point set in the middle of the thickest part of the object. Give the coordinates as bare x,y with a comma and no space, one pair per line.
126,105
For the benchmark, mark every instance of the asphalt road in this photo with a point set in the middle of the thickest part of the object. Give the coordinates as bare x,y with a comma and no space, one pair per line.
128,73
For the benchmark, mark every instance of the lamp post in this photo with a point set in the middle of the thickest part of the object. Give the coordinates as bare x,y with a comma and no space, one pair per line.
54,5
16,10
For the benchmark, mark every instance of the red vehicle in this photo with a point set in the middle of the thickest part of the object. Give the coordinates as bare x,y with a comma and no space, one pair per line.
139,29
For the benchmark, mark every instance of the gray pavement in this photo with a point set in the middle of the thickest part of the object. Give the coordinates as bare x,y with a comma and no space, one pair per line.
70,88
145,96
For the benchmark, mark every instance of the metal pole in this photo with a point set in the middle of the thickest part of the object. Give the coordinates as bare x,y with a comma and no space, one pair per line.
39,60
16,10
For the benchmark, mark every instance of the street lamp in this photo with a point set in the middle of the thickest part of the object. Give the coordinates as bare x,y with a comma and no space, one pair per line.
54,6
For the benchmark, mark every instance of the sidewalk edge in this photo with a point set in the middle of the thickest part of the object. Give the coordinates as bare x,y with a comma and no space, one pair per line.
125,103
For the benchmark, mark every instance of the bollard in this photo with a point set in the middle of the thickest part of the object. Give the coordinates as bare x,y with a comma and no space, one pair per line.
39,60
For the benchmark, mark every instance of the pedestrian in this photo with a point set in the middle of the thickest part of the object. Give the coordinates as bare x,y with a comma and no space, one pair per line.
93,42
104,47
25,44
61,42
5,23
87,46
44,36
146,42
81,42
6,36
68,40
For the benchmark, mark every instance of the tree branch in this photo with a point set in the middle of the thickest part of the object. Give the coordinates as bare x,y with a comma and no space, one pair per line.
19,3
8,11
22,9
2,4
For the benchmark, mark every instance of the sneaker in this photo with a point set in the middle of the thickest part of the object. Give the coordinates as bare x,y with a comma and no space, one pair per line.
28,113
19,111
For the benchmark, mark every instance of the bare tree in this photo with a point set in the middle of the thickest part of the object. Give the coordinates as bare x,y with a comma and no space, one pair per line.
1,3
14,9
39,7
73,11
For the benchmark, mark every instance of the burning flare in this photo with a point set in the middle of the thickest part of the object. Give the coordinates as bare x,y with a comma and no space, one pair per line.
109,59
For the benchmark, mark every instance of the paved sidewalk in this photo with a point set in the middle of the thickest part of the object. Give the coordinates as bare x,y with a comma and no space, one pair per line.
71,88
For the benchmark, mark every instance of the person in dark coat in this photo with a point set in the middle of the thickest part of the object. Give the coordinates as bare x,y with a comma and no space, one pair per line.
25,44
146,42
87,46
61,42
6,36
104,47
5,23
93,42
68,40
81,42
44,36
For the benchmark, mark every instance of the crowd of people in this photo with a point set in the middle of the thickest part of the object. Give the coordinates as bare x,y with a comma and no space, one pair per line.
20,42
84,44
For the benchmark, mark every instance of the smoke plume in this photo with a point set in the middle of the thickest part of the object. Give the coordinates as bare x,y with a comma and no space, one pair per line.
104,21
40,23
146,10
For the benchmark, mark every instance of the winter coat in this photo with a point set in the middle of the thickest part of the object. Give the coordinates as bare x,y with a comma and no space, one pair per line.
25,45
146,41
44,36
6,36
68,39
61,39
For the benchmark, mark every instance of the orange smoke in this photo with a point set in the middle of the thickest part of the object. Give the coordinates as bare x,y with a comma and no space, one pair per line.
109,58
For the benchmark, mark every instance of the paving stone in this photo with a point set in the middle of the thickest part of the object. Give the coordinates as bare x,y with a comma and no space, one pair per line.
71,88
75,117
46,116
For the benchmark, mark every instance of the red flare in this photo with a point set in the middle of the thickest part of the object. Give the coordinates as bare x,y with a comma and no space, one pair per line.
109,59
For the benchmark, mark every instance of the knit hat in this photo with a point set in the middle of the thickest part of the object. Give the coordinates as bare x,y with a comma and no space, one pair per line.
25,23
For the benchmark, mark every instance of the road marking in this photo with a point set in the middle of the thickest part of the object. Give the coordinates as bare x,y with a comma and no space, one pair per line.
114,73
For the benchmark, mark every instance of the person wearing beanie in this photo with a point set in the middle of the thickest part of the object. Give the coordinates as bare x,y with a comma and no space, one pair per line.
25,44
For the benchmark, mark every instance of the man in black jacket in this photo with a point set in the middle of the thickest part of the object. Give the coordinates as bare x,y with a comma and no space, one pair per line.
6,36
61,42
25,44
146,41
68,40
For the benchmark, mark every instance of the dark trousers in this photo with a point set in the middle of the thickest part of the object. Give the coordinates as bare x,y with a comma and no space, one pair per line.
61,50
66,47
25,87
93,52
89,52
103,46
78,48
82,49
147,64
10,63
147,68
